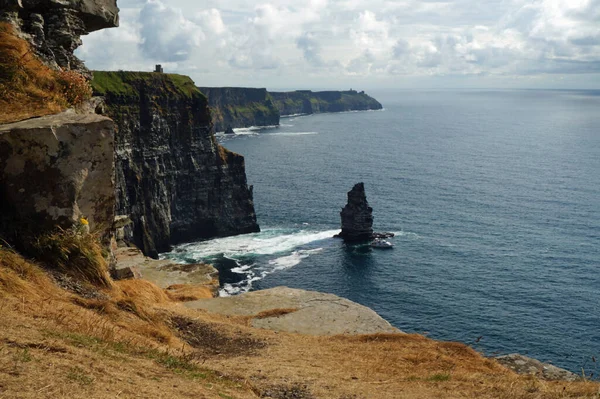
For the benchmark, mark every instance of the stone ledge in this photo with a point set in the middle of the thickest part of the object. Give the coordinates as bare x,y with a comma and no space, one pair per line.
314,313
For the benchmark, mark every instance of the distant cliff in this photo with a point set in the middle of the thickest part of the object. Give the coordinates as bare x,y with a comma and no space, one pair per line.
234,107
172,177
308,102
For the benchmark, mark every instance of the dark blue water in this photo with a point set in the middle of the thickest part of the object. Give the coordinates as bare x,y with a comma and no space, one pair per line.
495,196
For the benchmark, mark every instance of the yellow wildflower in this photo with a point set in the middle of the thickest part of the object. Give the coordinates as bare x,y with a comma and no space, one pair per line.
84,221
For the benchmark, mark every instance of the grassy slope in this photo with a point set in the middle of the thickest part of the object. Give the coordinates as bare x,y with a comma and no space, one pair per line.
124,83
28,88
137,342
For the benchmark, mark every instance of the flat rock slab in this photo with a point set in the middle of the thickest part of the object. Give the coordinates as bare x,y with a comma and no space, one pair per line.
527,366
165,273
315,313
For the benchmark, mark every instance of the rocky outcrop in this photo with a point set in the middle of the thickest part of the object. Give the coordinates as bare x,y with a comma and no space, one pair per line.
357,216
200,280
55,170
299,311
172,178
235,107
54,27
308,102
527,366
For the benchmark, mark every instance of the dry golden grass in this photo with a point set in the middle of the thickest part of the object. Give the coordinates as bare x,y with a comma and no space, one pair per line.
28,88
138,342
188,292
74,252
275,313
226,155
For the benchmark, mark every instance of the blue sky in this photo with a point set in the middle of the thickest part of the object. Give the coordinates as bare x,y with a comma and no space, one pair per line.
358,43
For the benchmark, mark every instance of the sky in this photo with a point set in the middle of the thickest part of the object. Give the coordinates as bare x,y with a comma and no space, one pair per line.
361,44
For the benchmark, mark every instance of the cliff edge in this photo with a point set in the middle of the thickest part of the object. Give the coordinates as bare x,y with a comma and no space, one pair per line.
238,107
172,178
309,102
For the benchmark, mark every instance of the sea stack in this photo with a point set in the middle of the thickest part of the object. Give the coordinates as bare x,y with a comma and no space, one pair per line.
357,216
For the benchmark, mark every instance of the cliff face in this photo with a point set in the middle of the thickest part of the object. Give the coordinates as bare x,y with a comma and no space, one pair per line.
234,107
172,178
308,102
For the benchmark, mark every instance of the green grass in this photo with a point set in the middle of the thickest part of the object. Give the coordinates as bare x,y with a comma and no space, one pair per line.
77,374
439,378
22,356
125,83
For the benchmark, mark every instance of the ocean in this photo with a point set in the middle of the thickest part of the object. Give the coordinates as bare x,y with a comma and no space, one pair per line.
494,197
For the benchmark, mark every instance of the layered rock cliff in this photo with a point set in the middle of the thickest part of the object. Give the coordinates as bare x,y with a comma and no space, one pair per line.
235,107
172,177
308,102
54,27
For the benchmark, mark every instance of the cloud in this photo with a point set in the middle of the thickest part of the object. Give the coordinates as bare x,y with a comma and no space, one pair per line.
287,41
311,49
166,34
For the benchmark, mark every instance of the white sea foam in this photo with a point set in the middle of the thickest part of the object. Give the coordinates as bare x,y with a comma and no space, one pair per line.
292,116
285,247
289,261
268,242
253,129
242,269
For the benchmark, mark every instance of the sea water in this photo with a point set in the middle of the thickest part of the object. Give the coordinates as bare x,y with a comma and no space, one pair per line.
494,197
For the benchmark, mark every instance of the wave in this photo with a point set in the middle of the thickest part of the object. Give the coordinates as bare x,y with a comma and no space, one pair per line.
252,129
267,242
255,255
289,261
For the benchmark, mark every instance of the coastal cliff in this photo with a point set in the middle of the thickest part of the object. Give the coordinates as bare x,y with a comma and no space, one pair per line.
239,107
172,178
235,107
309,102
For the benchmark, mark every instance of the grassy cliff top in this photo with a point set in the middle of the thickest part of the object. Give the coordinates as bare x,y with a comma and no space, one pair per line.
126,83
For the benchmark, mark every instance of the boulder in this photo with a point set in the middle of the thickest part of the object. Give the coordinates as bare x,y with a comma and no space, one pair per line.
126,273
178,278
357,216
528,366
55,170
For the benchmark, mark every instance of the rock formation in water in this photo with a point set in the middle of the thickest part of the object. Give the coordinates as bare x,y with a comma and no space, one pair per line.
53,27
235,107
172,178
357,216
308,102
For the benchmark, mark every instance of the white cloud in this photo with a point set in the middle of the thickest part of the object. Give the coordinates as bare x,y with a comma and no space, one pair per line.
261,43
